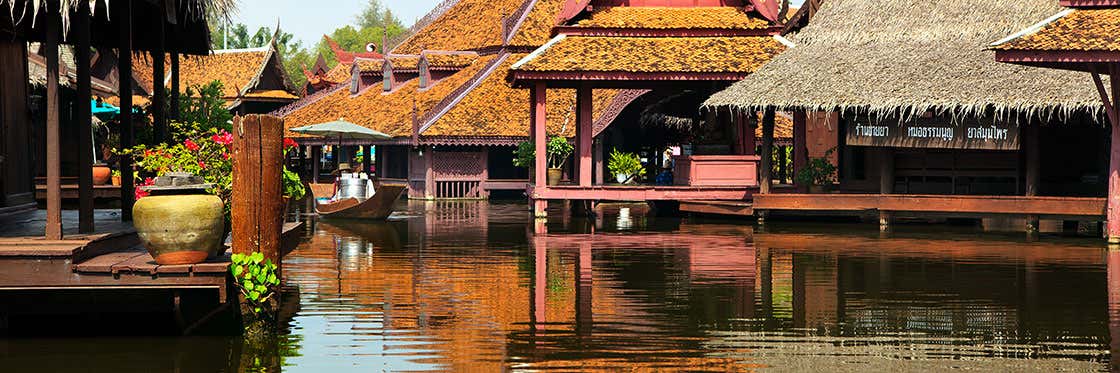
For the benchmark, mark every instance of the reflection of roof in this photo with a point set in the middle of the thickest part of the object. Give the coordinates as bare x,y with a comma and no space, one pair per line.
390,113
653,55
495,108
674,18
467,25
1071,30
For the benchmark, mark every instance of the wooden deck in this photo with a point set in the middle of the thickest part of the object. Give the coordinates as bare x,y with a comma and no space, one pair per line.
965,205
728,208
643,193
39,276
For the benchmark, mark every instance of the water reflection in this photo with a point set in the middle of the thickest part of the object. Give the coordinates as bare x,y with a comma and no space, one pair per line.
468,286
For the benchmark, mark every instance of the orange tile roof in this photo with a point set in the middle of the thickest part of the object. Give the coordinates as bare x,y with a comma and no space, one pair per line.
339,73
404,62
743,54
536,29
450,60
390,113
1079,30
370,65
235,69
783,127
468,25
272,93
724,17
495,108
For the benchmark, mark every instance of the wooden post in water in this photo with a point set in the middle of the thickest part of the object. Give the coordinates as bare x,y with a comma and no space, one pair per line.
257,207
800,149
1113,209
584,134
316,156
886,184
1030,147
124,90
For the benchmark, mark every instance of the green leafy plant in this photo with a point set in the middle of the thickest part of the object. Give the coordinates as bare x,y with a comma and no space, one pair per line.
558,151
256,278
115,173
622,163
292,186
205,155
524,155
819,171
202,109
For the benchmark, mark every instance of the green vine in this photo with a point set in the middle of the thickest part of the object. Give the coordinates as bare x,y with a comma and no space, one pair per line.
256,277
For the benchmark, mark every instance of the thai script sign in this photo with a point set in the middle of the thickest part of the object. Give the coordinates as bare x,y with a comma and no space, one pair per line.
981,133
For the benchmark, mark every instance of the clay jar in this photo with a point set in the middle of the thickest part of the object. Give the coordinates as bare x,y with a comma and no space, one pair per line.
101,174
178,222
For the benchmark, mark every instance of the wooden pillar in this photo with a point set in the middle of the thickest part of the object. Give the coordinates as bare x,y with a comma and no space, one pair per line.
597,155
766,166
256,207
886,184
1112,264
1113,231
84,118
316,157
54,162
174,114
800,150
159,90
538,116
367,154
430,191
1031,174
749,140
124,69
584,132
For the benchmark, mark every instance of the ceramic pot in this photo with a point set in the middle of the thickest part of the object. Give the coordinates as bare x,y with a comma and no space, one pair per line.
101,174
621,178
554,175
180,229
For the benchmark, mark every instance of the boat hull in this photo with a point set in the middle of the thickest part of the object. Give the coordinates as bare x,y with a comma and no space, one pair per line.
377,207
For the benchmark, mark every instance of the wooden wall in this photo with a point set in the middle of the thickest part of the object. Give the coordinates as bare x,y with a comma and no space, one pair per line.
15,119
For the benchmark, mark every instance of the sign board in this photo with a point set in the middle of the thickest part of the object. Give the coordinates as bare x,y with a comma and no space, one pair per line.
935,132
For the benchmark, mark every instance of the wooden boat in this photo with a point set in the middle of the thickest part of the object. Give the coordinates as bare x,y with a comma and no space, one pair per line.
377,207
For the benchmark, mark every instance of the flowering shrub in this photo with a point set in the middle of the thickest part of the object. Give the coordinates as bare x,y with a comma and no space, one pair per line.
206,155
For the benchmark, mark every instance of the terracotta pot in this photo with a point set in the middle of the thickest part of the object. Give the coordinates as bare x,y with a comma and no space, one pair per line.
180,229
554,175
101,174
116,180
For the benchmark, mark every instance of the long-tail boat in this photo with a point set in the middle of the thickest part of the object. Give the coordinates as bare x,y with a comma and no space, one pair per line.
377,206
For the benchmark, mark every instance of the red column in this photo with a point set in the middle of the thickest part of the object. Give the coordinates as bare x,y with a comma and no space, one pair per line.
584,131
747,129
1114,165
540,279
1112,264
538,117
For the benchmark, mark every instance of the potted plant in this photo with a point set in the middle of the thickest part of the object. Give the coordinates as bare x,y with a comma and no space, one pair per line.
115,177
625,167
558,151
819,173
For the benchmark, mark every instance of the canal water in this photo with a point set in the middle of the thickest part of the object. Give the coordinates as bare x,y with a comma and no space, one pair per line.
468,286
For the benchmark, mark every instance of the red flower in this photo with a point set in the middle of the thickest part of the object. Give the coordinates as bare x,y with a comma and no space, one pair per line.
202,165
139,193
289,143
191,145
224,138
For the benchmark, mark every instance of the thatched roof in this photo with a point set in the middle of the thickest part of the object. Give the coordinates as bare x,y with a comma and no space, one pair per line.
907,57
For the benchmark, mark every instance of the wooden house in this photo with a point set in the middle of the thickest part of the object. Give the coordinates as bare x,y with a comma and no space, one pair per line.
1081,37
653,50
923,122
443,95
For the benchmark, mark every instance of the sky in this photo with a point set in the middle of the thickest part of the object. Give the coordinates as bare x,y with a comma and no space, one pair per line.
309,20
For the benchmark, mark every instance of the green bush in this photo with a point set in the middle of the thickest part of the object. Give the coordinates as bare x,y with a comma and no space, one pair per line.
819,171
622,163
